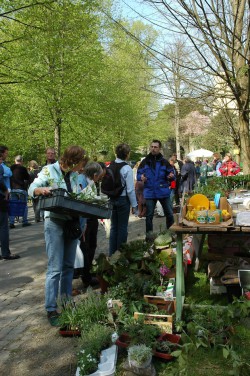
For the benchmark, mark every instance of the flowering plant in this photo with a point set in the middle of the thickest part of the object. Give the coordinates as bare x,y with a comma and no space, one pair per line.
86,362
164,270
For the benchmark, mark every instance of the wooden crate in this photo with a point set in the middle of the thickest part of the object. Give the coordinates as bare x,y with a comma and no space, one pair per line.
163,305
164,322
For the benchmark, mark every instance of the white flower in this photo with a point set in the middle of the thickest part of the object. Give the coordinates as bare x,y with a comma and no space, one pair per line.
110,303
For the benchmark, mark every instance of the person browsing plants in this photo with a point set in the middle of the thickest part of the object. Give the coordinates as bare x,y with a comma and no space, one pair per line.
122,203
156,173
60,245
228,166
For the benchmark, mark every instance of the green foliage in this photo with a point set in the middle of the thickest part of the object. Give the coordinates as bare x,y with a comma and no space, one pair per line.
91,309
69,317
139,332
71,83
163,239
139,353
223,185
136,262
97,338
92,343
239,366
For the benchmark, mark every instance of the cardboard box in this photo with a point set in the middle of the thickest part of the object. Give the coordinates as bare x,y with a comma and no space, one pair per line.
217,288
224,205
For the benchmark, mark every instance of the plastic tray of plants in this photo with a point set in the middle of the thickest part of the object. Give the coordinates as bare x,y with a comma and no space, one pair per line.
62,202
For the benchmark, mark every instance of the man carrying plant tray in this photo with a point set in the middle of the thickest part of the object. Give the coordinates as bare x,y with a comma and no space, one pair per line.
156,173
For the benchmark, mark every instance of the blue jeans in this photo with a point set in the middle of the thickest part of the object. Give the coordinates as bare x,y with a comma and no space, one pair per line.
4,233
167,208
119,223
23,196
61,257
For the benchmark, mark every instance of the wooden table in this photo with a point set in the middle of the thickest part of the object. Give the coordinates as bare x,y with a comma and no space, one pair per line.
180,230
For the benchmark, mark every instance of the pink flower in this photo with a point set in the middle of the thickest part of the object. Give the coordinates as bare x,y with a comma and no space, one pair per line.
164,270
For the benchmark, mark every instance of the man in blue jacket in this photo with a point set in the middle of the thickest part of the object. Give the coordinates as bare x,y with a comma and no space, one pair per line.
156,173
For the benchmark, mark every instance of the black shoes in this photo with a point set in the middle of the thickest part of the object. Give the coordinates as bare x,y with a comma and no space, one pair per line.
26,224
11,257
93,282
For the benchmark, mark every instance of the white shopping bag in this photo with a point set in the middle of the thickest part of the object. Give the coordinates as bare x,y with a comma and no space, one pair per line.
79,260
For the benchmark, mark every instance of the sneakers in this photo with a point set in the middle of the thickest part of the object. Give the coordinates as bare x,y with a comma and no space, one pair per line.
12,225
53,317
26,224
11,257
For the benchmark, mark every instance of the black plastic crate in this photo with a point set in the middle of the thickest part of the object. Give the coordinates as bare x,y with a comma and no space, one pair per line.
59,203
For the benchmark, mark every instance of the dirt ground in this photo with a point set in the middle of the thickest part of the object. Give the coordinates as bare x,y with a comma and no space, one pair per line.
41,351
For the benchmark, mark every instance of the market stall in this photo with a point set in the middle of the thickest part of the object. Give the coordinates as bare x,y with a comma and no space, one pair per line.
192,221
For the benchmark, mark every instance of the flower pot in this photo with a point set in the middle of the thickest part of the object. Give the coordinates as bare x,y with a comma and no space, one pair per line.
124,340
103,284
68,332
173,338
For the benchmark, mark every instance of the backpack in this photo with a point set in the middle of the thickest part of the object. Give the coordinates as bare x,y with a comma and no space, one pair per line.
111,182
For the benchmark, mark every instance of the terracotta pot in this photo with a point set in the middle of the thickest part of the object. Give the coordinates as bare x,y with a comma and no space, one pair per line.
173,338
124,340
103,284
66,332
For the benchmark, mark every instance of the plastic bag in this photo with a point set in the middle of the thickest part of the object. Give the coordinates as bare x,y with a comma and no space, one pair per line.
79,260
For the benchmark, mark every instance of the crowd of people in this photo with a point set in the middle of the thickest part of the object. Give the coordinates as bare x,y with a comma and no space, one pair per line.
153,180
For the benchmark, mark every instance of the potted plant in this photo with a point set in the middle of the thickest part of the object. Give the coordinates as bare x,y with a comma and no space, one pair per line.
103,270
92,342
69,320
211,324
139,356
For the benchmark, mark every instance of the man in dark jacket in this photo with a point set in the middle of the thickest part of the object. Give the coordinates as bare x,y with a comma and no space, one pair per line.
19,184
178,165
157,174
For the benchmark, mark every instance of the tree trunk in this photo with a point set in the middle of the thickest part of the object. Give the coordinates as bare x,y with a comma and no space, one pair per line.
244,143
177,129
57,133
